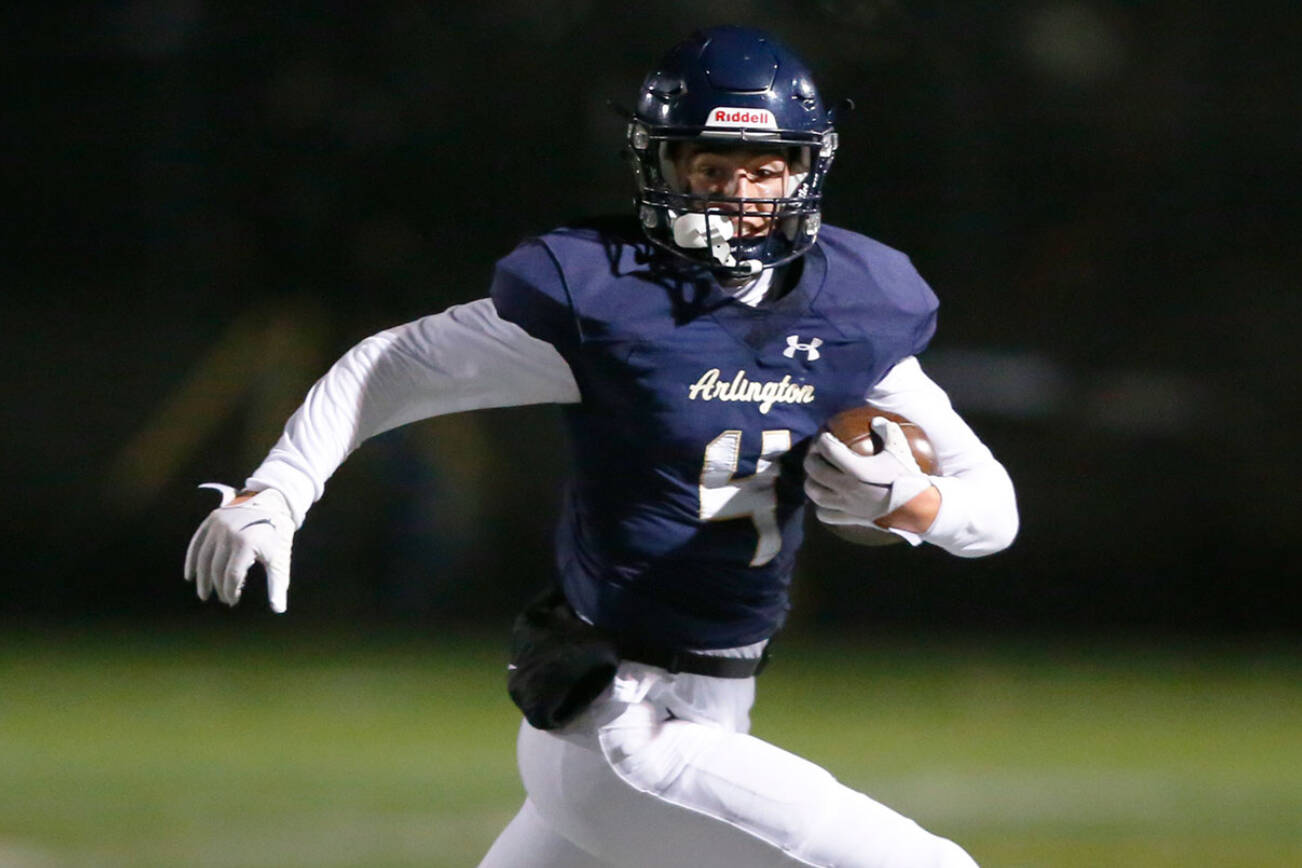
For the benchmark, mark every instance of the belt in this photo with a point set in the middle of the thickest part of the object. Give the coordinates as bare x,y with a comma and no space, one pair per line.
694,664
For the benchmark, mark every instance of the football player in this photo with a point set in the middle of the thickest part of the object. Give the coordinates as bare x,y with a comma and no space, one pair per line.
696,348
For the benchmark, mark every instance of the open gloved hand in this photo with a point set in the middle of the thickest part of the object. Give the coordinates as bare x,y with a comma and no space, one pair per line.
852,489
234,536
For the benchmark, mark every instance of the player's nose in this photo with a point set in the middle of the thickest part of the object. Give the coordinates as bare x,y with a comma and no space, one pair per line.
741,184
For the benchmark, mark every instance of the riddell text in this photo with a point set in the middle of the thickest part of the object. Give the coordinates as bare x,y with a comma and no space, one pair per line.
723,116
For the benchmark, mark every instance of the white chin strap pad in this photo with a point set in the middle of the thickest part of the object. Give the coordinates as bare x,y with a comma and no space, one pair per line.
693,231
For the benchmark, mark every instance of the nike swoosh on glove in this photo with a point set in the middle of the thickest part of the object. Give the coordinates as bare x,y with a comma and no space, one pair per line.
849,488
231,538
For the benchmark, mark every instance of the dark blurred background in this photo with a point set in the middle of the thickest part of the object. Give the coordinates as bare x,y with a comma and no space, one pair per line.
209,202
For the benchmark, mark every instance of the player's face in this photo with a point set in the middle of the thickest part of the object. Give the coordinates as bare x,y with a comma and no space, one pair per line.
738,172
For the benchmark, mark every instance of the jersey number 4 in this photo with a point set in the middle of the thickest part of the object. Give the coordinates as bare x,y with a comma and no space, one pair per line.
724,495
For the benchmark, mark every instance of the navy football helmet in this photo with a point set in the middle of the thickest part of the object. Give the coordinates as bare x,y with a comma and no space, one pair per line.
730,87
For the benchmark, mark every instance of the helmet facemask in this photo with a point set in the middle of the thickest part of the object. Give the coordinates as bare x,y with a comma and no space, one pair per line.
703,228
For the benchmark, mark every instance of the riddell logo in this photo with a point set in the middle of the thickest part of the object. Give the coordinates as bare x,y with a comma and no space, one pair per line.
724,116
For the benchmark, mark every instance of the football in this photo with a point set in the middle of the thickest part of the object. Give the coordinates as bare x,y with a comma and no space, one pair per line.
853,427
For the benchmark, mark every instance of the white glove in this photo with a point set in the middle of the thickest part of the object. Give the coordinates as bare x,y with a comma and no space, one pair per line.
849,488
231,538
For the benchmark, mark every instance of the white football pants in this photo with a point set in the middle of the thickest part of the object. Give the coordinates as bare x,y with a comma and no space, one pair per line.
660,773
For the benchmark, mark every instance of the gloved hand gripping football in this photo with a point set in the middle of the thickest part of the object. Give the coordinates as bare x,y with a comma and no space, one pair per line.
232,537
852,489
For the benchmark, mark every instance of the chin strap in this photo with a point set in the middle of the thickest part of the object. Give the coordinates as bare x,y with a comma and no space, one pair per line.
694,231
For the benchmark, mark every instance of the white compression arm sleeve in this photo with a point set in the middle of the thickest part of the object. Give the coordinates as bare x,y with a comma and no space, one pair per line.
465,358
978,509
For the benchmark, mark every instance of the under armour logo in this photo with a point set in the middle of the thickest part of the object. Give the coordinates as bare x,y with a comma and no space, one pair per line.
810,349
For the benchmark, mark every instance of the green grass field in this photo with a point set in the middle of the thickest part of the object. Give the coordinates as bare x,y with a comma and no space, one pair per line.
123,748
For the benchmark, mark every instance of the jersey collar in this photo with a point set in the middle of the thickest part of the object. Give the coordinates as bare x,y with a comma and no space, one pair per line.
757,326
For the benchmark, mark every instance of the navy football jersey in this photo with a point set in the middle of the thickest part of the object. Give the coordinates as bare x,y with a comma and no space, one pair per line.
684,514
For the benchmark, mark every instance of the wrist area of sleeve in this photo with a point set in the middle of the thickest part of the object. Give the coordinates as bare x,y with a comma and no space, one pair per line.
298,490
908,536
955,529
